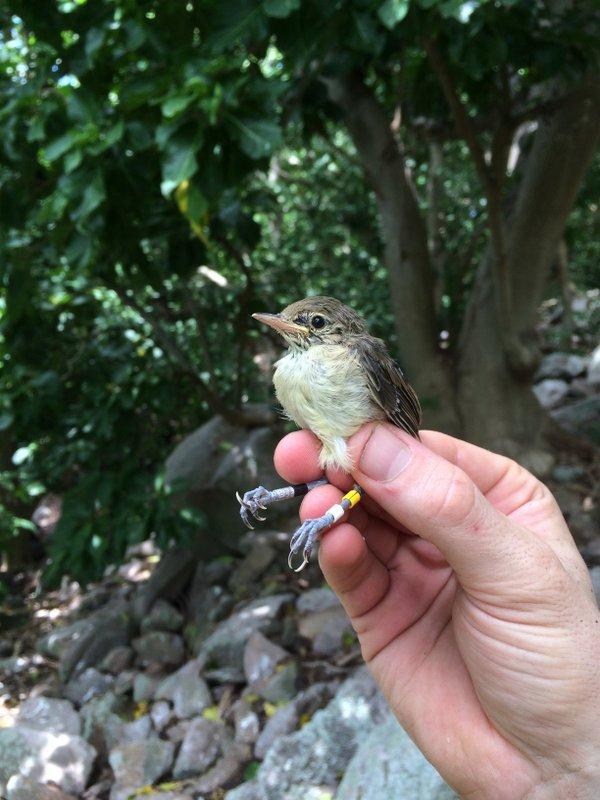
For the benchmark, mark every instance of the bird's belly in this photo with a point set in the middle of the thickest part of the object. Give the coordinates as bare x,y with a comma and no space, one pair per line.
323,389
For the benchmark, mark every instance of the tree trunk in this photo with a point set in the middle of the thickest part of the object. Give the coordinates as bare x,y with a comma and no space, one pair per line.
406,254
498,408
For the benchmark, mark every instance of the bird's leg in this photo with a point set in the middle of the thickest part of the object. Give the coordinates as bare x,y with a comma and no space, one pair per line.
307,534
260,499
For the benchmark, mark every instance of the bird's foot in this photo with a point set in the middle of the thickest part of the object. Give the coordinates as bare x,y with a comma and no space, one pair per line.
306,536
252,503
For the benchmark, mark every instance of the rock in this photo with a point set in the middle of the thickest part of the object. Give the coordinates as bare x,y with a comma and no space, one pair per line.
144,686
49,714
593,375
282,685
89,684
187,691
225,675
581,418
101,721
246,722
161,715
124,682
568,473
560,365
314,600
169,579
162,617
92,640
199,749
159,647
314,757
287,718
117,660
14,665
211,474
20,788
595,576
225,645
261,657
551,392
176,733
55,643
138,730
251,567
226,772
326,630
389,766
168,796
539,462
42,756
138,764
203,606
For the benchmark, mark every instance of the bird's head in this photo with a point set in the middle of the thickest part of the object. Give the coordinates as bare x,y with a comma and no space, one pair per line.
314,320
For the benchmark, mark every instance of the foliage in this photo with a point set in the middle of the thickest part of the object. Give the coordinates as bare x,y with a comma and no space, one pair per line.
167,169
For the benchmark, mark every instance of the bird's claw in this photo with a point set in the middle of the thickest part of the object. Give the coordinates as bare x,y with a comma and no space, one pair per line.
250,504
304,539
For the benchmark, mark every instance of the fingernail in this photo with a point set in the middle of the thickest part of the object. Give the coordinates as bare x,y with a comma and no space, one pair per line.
384,456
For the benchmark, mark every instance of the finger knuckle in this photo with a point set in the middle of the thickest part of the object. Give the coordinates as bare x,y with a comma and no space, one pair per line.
453,499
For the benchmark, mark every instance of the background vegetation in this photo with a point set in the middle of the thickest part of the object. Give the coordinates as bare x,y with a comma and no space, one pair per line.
168,168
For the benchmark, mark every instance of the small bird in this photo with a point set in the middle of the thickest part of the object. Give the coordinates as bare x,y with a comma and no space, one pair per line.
333,379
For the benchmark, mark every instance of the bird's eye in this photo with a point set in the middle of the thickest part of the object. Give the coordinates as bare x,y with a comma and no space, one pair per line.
318,322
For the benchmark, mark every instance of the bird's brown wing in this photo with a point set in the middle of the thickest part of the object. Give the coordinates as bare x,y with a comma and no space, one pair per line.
388,387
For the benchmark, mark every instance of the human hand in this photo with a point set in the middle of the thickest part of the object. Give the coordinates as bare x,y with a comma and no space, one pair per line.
474,609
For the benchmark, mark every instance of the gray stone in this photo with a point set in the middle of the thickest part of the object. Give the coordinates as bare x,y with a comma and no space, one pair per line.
161,715
225,645
144,686
282,685
58,641
225,675
49,714
246,722
138,730
89,641
14,665
551,392
539,462
89,684
138,764
209,474
251,567
42,756
326,630
389,766
567,473
313,758
199,749
261,657
581,418
314,600
101,721
593,374
287,718
560,365
117,660
124,682
169,796
176,733
20,788
186,690
171,576
159,647
595,576
162,617
226,772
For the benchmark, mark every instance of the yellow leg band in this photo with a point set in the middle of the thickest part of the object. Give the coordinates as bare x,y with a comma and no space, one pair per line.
353,497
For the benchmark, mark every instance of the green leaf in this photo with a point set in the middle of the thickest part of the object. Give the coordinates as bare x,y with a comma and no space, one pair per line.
58,147
94,194
175,105
179,163
392,12
281,8
258,137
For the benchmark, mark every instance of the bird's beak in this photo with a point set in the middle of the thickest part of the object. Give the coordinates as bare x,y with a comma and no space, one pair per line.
281,325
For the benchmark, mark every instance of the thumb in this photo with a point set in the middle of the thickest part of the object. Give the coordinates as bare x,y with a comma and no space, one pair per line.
436,500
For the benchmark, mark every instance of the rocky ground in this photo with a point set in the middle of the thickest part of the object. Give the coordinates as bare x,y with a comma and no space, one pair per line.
178,679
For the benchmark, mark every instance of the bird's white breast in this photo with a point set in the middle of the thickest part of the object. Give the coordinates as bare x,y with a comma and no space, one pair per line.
324,390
